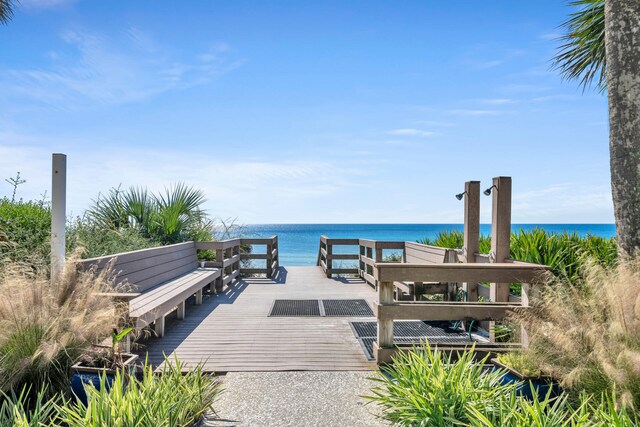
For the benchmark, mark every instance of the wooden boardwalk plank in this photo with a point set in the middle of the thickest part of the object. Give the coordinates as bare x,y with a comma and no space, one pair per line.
233,331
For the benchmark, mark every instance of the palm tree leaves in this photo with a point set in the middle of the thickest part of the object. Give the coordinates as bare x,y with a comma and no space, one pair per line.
582,55
6,10
171,216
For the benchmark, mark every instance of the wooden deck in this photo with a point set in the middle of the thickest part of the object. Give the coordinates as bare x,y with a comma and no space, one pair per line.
233,332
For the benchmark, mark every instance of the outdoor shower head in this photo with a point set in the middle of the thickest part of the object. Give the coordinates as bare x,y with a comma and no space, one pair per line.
460,195
487,192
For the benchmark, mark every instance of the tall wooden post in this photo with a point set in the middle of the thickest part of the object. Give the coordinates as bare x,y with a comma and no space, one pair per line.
500,232
471,232
500,237
58,215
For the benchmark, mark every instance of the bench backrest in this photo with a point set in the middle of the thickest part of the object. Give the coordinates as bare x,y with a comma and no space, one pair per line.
146,268
418,253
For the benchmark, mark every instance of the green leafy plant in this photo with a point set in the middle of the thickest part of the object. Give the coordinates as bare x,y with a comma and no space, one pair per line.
16,410
171,216
425,387
168,399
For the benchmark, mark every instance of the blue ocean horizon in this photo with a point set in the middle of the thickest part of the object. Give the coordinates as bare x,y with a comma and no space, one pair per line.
298,243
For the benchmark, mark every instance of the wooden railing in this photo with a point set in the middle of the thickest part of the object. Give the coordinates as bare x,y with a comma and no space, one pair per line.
326,256
387,309
371,252
230,253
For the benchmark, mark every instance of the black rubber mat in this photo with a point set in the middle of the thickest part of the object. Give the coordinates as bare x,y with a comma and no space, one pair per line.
409,332
295,307
346,307
406,329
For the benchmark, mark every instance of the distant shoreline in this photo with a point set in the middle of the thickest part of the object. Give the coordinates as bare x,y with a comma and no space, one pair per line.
298,243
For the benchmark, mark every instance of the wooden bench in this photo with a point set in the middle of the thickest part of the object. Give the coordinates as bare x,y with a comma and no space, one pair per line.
156,281
417,253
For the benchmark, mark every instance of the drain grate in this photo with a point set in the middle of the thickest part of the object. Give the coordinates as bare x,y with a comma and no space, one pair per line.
409,332
295,307
346,308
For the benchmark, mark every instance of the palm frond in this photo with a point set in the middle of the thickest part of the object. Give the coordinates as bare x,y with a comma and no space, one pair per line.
6,10
582,54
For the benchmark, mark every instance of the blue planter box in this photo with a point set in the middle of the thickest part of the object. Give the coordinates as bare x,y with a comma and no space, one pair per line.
528,386
84,375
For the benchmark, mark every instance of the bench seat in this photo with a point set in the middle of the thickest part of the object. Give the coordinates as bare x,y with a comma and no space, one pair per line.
163,298
156,281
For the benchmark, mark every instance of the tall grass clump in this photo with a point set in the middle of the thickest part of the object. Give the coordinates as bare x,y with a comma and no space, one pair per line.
588,336
168,399
425,387
44,328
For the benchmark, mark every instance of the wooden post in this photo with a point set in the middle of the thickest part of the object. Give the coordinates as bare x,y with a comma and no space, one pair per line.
500,237
500,232
329,260
385,327
269,260
471,232
58,215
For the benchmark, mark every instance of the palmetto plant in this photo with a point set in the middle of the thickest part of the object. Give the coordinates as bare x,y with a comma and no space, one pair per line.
171,216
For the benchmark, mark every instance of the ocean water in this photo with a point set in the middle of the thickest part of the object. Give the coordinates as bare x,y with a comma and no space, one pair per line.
298,243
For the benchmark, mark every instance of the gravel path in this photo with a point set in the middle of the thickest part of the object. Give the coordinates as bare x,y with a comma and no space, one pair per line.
300,399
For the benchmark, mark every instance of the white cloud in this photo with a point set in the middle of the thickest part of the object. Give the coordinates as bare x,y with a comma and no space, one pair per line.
104,71
474,112
411,132
498,101
253,190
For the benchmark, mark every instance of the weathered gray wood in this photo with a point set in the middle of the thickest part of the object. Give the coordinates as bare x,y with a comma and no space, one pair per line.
233,332
342,256
443,311
500,232
471,233
385,326
497,272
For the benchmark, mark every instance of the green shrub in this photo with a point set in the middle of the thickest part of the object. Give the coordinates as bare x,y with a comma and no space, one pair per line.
95,241
425,387
25,228
167,399
566,253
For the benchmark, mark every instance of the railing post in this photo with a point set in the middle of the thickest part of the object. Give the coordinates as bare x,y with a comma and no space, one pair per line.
385,327
328,260
471,232
361,264
220,259
269,259
277,257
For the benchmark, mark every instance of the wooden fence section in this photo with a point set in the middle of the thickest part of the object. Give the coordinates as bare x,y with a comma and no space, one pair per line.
229,253
387,310
326,255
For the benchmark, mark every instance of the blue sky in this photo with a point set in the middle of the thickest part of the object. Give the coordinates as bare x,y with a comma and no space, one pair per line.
304,112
